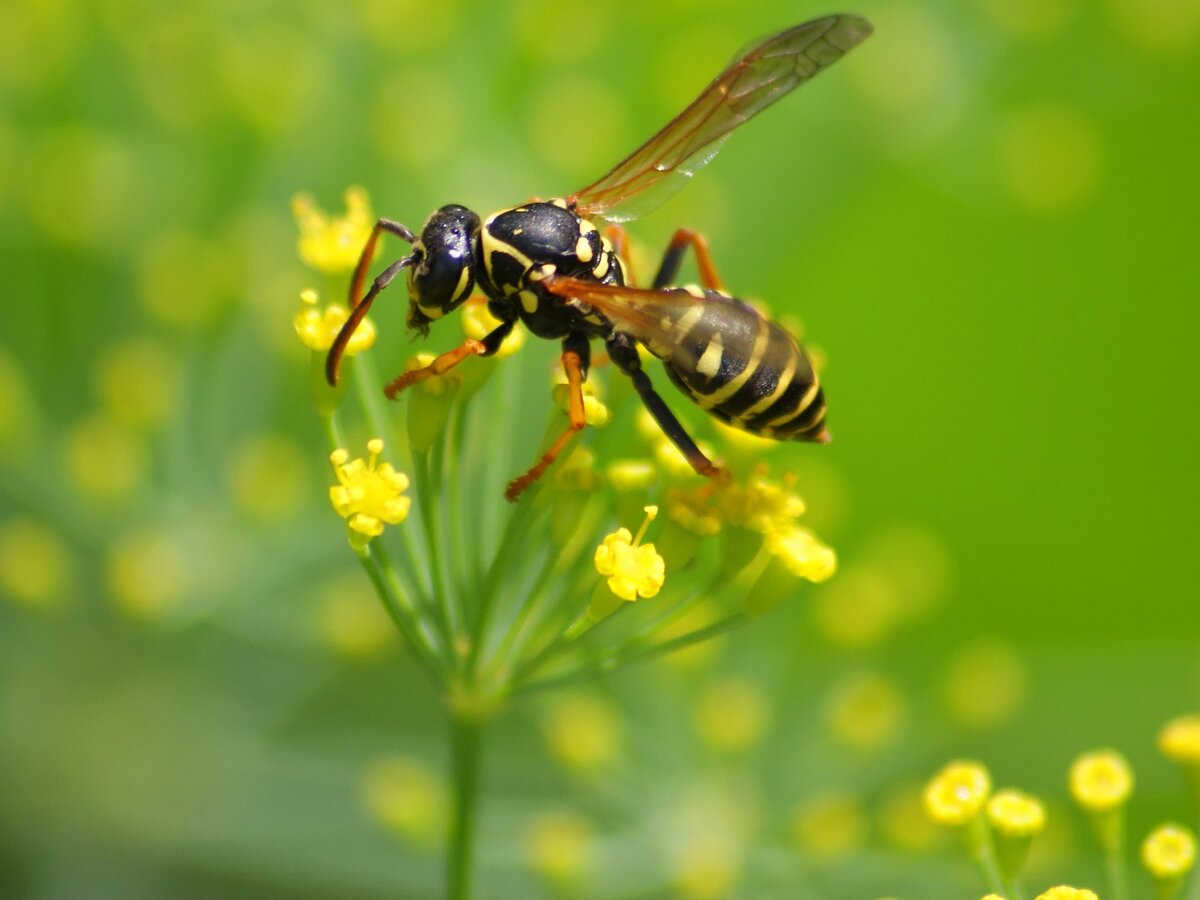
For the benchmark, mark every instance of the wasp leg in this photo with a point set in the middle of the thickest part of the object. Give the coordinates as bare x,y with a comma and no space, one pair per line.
624,354
358,311
368,253
674,256
441,365
619,238
575,360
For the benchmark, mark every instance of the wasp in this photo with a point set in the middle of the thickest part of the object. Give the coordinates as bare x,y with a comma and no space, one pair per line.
546,265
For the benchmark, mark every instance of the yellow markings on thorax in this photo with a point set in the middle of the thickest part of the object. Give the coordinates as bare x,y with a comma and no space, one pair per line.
464,285
710,360
731,387
583,249
529,301
600,269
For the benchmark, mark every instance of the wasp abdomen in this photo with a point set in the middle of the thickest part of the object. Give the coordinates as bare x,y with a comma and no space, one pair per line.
744,369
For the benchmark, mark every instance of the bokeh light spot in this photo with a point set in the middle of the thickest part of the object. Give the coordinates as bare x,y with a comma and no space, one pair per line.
1052,158
35,563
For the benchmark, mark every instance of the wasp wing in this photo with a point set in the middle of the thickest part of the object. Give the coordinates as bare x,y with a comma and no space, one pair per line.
675,324
754,81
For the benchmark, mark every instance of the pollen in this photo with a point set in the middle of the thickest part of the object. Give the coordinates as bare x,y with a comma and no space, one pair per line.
317,326
1180,740
1169,852
368,494
957,793
329,243
633,569
1015,814
1101,781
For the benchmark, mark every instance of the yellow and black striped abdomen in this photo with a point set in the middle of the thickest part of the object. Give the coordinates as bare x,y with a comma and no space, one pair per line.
744,369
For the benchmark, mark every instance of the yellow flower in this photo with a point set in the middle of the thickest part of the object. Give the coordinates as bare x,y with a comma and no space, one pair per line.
560,847
1169,852
332,244
695,510
1180,740
478,322
762,505
407,796
594,411
992,897
368,495
1101,781
1064,892
802,553
1015,814
317,327
957,793
631,474
633,569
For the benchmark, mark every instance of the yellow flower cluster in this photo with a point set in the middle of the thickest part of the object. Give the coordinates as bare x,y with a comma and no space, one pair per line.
317,327
368,495
333,244
1064,892
761,505
633,569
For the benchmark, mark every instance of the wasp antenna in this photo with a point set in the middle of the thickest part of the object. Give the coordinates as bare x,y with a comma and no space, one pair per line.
357,313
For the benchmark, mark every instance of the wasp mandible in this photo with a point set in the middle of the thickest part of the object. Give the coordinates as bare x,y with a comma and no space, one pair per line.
545,264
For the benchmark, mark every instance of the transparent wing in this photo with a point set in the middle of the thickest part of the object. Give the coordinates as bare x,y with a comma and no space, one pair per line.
649,316
754,81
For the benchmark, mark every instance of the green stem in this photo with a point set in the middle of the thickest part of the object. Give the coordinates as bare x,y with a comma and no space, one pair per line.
1117,872
428,496
627,654
514,532
377,567
466,732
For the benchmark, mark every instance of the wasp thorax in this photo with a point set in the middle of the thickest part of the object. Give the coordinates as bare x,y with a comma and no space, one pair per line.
443,275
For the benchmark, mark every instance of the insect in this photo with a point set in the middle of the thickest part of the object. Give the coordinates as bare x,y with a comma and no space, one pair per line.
546,265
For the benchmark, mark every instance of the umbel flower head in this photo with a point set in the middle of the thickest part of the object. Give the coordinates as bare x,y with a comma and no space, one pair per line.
368,495
493,598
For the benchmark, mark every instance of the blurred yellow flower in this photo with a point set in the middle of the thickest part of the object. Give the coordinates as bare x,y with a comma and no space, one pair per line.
1101,781
148,574
631,474
317,327
985,684
732,714
802,553
633,569
138,381
1064,892
957,793
351,619
1169,852
560,847
35,563
582,730
1179,740
1016,814
333,244
830,824
594,411
103,458
865,710
368,495
267,475
407,796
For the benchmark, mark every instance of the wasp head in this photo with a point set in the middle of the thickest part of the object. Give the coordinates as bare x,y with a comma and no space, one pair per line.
443,272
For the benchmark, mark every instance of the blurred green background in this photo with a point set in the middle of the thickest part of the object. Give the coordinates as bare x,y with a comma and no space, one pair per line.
987,220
